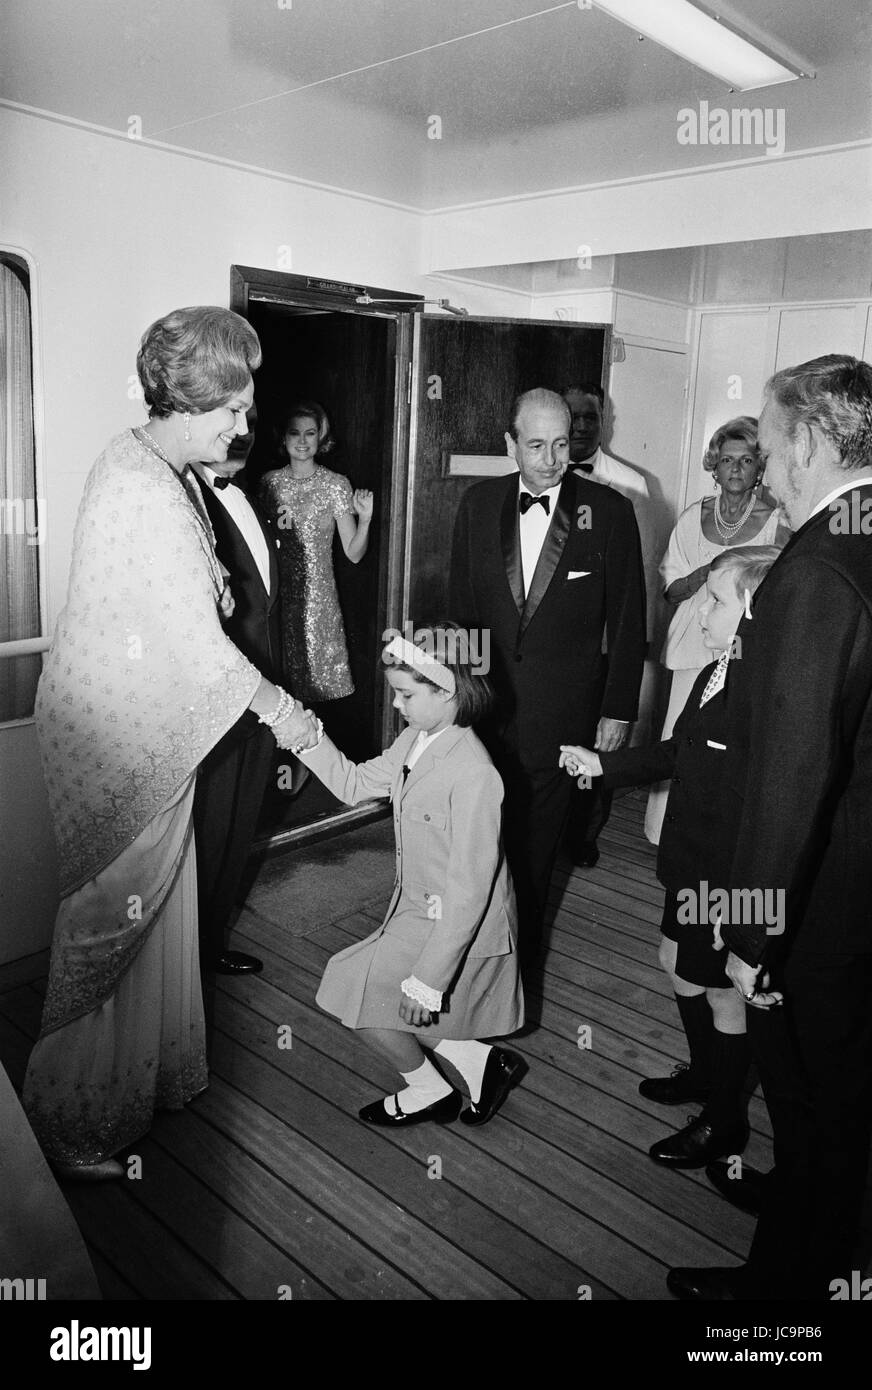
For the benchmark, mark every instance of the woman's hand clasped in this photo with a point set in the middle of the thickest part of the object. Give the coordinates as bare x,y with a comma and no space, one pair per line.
298,731
580,762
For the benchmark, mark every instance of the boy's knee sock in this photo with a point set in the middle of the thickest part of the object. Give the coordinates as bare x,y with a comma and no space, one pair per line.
424,1086
470,1059
731,1056
699,1028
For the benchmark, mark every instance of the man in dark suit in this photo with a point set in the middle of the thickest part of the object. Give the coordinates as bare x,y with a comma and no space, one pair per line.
798,795
548,563
232,779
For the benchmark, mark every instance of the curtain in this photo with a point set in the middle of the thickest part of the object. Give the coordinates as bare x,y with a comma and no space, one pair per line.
19,520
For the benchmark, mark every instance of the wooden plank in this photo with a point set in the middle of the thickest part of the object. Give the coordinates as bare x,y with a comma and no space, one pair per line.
290,1159
154,1263
113,1286
22,971
210,1192
482,1210
622,1044
535,1184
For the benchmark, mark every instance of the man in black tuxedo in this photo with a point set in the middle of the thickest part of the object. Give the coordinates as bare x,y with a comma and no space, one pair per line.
798,806
548,564
232,779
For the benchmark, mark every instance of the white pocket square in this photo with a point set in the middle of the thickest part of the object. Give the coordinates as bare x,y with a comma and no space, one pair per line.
711,744
578,574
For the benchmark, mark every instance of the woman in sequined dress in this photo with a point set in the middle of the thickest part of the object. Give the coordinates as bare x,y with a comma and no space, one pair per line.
139,685
305,501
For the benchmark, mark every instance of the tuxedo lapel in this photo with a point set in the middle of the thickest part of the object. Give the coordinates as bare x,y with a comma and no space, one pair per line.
551,552
225,529
272,547
510,540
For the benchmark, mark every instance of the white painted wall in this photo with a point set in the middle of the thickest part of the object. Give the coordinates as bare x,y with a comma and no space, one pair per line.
800,194
736,350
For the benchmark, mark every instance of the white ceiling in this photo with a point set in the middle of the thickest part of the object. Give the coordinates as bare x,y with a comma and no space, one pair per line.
339,90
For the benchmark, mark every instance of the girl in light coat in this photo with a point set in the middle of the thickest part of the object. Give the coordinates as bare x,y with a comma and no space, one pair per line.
441,972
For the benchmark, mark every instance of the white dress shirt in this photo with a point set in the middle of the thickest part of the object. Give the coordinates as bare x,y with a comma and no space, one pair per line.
534,525
234,500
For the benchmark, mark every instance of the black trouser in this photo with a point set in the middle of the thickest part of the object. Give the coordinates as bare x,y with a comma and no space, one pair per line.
590,811
231,783
536,809
814,1056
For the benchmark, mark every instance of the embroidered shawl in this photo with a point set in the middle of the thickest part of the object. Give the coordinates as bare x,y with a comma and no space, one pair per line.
141,680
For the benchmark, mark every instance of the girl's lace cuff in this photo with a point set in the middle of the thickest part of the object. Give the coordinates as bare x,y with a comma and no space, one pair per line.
422,994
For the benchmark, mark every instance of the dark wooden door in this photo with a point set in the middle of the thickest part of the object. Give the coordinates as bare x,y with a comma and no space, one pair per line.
465,374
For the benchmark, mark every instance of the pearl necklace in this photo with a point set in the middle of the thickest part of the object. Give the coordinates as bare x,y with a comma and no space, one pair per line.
156,447
728,529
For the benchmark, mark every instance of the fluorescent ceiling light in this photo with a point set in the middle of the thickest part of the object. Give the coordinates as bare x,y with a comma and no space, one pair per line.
709,42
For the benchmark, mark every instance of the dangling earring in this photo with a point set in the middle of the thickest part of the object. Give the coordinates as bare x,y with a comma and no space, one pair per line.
187,424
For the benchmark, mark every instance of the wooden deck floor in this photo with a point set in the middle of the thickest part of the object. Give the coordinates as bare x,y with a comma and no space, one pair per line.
268,1181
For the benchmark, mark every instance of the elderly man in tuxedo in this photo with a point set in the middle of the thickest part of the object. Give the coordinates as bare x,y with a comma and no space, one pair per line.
798,801
548,563
232,778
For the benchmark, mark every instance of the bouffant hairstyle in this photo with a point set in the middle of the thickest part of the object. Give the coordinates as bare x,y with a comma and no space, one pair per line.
450,645
748,564
835,393
196,359
311,410
744,427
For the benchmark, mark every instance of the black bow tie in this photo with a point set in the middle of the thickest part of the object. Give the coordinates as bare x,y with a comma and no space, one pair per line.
221,482
583,467
526,500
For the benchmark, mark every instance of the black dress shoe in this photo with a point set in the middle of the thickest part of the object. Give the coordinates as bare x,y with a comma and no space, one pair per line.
501,1071
442,1111
745,1192
238,963
705,1285
586,856
676,1089
697,1144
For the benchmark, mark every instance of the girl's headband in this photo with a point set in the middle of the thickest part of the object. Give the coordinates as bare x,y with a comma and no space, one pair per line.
418,657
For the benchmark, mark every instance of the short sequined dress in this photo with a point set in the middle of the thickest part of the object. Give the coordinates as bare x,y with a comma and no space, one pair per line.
304,512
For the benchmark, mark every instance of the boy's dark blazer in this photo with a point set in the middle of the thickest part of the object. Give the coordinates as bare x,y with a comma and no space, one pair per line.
547,651
693,845
799,775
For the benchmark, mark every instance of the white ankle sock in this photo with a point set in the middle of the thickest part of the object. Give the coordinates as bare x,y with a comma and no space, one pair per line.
470,1059
424,1086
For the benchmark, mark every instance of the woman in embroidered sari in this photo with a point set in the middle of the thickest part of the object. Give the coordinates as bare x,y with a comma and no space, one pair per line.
139,684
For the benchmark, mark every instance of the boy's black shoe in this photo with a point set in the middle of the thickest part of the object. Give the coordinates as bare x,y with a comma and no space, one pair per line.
676,1089
698,1144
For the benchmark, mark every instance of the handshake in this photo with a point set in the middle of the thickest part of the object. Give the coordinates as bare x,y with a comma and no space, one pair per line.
299,730
580,762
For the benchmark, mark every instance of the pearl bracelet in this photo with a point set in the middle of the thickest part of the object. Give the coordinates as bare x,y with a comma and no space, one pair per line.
285,707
